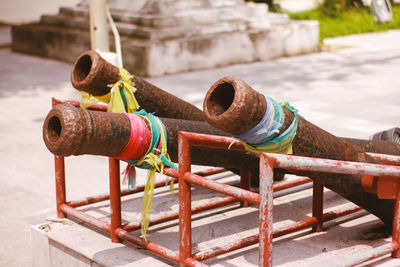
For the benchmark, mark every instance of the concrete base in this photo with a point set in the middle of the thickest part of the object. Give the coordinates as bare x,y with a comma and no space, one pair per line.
155,45
66,243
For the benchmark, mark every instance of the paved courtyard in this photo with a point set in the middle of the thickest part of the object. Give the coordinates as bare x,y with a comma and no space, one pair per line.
352,90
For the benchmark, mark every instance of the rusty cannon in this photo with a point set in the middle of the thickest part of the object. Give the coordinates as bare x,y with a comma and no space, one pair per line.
69,130
234,107
92,74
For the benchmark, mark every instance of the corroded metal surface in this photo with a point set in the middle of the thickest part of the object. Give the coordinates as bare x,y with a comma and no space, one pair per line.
201,155
310,141
382,172
69,130
233,106
265,228
94,75
375,146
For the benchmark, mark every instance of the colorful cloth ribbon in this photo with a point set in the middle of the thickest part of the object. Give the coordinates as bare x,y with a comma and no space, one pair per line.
264,136
121,97
154,160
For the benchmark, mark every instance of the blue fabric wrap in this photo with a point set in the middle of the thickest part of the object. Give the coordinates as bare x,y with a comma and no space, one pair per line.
268,127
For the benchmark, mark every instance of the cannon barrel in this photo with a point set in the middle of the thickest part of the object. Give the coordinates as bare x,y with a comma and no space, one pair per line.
374,146
234,107
69,130
92,74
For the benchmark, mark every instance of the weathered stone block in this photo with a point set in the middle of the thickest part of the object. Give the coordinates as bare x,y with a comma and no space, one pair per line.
170,36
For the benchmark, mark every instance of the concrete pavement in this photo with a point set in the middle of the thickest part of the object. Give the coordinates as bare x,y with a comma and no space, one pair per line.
352,92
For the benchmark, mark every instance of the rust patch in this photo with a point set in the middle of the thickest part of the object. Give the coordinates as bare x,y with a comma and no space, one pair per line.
68,130
92,74
233,106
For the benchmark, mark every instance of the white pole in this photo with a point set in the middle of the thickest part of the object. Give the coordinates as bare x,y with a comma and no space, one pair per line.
99,26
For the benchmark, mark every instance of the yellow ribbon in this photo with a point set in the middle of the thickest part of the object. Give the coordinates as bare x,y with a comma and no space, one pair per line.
281,144
122,90
146,203
281,148
158,165
114,99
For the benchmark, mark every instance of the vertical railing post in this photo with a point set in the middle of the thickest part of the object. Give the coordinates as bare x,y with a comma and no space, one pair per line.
61,198
185,220
115,198
396,227
266,212
317,205
244,184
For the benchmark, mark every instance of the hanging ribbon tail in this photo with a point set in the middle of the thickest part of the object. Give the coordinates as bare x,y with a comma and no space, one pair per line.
170,180
155,159
121,97
146,204
131,103
128,90
116,104
288,151
171,186
129,176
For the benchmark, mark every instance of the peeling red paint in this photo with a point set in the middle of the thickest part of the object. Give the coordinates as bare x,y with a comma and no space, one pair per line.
268,162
